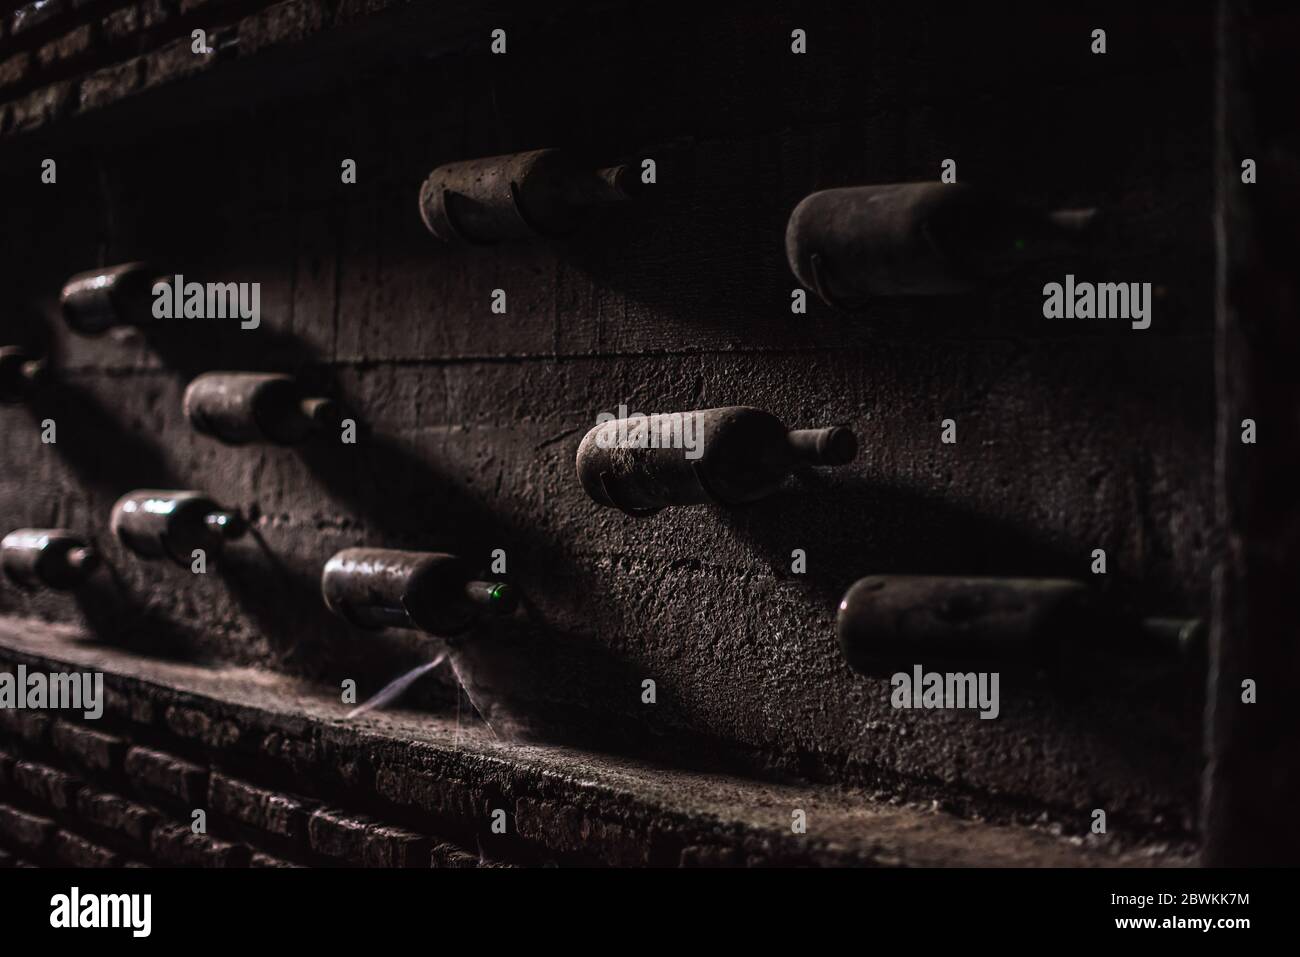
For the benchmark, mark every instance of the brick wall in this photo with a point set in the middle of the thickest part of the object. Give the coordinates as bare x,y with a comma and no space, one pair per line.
74,795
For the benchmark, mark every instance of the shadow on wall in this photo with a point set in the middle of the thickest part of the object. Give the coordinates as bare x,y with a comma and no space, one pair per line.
118,615
851,527
533,678
526,676
105,454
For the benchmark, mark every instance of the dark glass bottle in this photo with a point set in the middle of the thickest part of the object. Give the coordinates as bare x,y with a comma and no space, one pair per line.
243,407
725,456
890,623
429,591
919,239
519,196
21,374
47,558
99,299
171,524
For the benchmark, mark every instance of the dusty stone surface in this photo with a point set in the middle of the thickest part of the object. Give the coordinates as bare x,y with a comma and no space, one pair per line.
562,804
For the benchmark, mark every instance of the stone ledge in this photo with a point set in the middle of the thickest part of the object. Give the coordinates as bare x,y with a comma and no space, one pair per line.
562,804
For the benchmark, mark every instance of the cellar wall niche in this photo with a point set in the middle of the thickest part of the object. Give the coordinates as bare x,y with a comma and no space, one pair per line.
1072,436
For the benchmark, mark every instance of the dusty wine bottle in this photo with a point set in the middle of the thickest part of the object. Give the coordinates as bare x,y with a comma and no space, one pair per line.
47,558
428,591
541,193
242,407
21,374
888,623
919,239
727,456
172,524
99,299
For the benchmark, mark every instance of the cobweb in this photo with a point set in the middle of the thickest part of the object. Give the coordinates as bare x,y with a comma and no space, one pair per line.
395,688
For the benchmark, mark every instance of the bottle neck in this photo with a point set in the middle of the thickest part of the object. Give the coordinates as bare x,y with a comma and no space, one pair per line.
83,560
320,412
993,239
834,446
497,597
34,370
1183,637
613,184
224,523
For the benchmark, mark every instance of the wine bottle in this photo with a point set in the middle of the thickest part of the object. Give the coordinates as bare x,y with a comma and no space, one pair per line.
910,239
520,196
172,524
429,591
21,374
889,623
99,299
243,407
47,558
727,456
